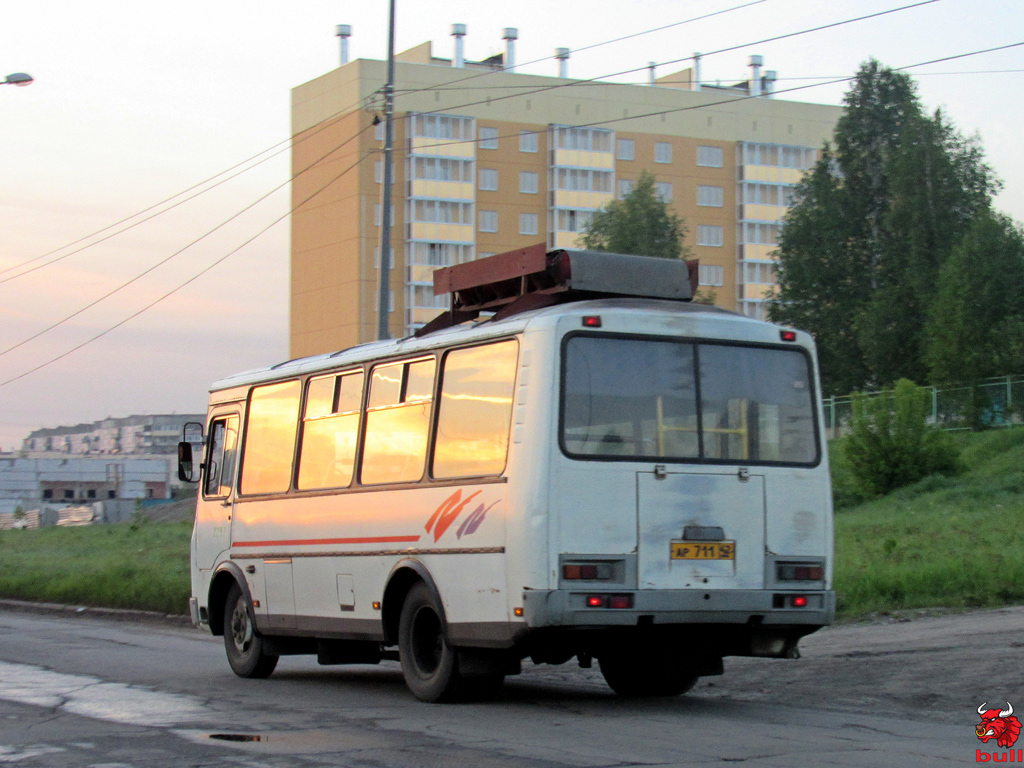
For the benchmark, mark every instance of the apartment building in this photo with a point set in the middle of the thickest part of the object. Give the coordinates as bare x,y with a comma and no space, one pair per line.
487,161
141,434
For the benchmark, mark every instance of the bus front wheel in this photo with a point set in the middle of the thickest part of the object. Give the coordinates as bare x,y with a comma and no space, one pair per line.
429,663
245,648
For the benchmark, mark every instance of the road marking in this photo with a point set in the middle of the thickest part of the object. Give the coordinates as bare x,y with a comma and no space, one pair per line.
92,697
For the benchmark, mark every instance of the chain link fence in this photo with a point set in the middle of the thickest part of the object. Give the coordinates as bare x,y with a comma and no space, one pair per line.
997,402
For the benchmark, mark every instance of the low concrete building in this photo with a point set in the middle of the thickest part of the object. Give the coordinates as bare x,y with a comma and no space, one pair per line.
152,434
40,483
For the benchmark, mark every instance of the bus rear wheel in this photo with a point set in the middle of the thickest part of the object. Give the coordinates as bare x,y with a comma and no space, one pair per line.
245,648
429,663
634,675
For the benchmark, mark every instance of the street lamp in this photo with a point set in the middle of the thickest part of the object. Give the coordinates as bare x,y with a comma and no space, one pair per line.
18,78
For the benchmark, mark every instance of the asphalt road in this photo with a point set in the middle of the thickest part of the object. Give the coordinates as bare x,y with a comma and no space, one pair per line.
101,693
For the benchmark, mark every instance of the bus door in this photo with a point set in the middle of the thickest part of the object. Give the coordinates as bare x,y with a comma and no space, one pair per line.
700,530
215,508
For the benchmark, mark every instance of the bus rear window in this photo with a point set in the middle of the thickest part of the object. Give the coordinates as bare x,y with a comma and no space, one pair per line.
635,398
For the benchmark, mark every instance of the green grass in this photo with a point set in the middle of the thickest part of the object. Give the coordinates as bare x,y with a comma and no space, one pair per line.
945,542
139,565
950,542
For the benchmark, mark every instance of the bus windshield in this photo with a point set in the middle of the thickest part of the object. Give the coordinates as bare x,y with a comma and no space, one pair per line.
631,398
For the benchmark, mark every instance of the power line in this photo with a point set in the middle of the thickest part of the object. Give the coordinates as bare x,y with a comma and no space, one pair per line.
192,279
290,142
573,83
496,70
177,253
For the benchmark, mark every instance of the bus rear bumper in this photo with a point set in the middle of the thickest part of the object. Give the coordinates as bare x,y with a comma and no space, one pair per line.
755,607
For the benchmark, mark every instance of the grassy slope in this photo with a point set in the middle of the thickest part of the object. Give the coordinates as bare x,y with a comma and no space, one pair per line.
950,542
137,565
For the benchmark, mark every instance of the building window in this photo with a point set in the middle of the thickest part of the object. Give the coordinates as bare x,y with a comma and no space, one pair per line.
662,152
69,494
111,494
711,275
587,139
527,223
709,157
760,233
376,257
488,221
440,211
378,215
48,493
709,235
488,138
91,493
528,182
378,171
582,180
710,196
528,141
663,191
626,149
760,273
625,187
378,131
488,180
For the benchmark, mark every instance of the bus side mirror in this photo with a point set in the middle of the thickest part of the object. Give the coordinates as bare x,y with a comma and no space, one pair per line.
186,469
191,433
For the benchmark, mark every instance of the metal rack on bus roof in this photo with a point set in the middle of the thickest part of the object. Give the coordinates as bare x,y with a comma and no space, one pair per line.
533,278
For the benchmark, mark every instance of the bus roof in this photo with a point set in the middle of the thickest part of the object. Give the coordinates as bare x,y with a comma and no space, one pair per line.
718,322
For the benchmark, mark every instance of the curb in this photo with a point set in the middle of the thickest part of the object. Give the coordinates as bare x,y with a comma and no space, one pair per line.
119,614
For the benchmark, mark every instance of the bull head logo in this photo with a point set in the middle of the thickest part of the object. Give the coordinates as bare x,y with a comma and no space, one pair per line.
998,724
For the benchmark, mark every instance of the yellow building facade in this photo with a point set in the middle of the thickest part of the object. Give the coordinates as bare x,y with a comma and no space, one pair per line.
488,161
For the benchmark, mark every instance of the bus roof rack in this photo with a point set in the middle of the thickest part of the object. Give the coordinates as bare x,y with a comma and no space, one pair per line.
533,277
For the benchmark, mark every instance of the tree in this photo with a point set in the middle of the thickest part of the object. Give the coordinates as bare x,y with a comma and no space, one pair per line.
640,224
976,324
873,222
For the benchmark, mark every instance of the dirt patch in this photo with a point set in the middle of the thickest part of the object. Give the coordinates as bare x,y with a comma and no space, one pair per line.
183,509
935,668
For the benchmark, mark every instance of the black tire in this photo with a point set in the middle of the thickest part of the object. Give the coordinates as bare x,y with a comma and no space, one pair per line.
429,664
636,674
244,646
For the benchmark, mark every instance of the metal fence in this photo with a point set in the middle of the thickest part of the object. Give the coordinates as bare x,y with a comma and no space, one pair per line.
997,402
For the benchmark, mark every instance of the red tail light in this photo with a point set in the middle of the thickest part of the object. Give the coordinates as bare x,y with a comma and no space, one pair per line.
799,601
595,601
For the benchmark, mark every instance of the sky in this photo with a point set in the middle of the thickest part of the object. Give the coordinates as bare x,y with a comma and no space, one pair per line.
136,103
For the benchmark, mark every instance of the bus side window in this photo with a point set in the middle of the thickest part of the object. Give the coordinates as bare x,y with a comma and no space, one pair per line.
397,422
330,430
270,438
220,466
475,410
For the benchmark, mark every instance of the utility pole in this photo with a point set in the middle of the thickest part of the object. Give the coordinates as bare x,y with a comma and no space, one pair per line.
384,303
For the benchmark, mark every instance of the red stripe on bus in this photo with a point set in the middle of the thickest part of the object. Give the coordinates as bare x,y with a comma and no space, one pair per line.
357,540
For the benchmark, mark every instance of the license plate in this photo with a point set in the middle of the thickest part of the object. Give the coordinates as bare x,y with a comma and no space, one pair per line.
703,550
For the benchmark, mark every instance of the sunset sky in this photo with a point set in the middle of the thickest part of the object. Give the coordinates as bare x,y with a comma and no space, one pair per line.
135,103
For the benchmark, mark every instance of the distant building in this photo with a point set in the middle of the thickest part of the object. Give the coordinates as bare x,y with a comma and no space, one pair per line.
132,435
479,172
49,482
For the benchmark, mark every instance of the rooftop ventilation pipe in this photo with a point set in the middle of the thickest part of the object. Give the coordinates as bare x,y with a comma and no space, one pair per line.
344,31
459,32
755,75
651,77
696,71
769,82
562,54
510,36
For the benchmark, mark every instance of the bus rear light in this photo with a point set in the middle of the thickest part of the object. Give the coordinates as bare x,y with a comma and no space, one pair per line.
586,571
592,321
798,601
800,572
787,335
617,602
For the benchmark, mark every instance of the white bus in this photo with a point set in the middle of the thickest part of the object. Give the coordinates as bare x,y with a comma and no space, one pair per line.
589,472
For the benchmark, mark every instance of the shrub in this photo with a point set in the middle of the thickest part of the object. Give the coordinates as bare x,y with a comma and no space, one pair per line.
890,443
